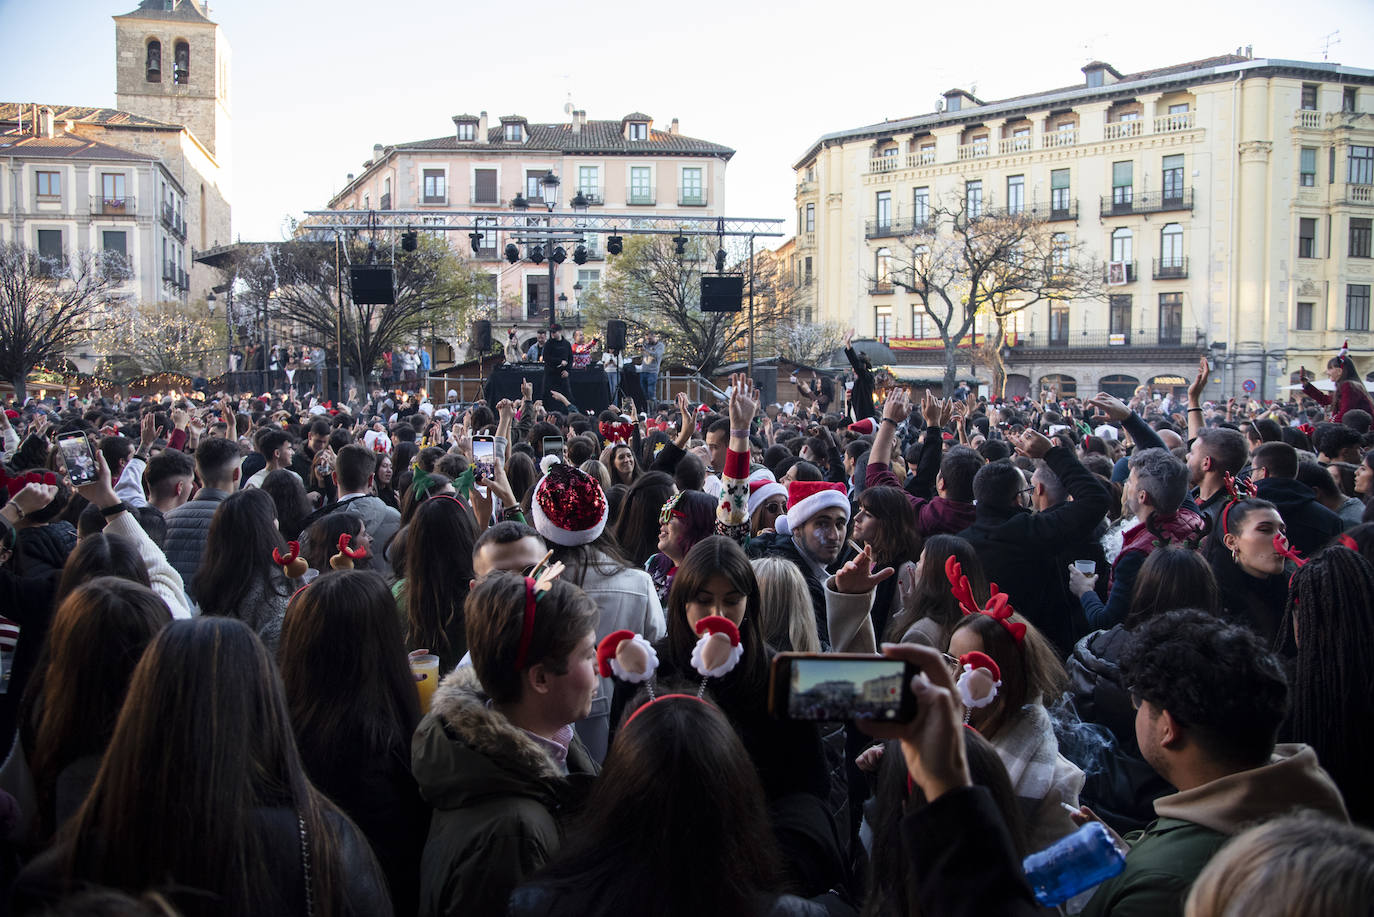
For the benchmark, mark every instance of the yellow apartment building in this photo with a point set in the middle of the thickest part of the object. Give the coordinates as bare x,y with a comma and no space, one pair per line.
1231,199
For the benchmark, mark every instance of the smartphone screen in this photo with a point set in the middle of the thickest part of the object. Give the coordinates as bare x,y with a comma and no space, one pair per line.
553,445
79,458
840,687
484,455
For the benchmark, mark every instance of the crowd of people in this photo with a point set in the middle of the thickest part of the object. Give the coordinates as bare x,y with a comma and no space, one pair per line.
282,655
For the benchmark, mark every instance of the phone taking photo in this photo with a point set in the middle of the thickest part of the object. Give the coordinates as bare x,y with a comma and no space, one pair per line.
840,687
552,445
79,456
484,455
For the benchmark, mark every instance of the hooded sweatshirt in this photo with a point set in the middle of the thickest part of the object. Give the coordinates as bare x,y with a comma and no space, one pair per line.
1194,824
499,800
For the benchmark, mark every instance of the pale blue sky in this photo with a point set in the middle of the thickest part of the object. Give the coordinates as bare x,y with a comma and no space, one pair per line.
316,84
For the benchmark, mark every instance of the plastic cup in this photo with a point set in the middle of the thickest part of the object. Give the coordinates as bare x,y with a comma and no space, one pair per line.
426,671
1086,567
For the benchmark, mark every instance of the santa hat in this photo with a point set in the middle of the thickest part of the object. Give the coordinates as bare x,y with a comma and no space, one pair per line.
377,442
569,507
979,681
864,427
807,498
761,491
627,656
719,650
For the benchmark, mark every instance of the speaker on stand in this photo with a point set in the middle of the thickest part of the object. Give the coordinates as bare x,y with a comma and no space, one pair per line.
481,345
615,343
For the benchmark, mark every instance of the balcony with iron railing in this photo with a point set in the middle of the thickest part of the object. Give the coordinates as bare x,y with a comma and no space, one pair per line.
691,197
1124,204
881,288
173,222
595,197
1170,268
1168,337
113,206
640,197
485,196
889,228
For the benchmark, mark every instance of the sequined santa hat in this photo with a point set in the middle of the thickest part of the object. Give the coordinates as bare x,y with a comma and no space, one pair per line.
569,507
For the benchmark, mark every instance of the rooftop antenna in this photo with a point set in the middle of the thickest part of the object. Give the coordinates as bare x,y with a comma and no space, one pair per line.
1327,41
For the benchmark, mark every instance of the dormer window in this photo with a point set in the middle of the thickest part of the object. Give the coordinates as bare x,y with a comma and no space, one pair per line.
513,132
638,130
467,130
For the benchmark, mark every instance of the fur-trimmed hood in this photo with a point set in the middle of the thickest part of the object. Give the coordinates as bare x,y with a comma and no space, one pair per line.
465,751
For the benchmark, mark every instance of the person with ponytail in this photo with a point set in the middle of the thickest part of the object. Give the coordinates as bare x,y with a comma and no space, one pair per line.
1251,572
1350,394
1330,616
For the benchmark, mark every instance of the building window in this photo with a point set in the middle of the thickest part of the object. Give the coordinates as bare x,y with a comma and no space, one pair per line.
1178,108
486,243
1361,169
980,145
1173,177
1357,307
50,185
1119,319
1059,193
1016,193
1359,237
1348,99
810,217
883,212
590,278
921,324
534,191
882,269
435,186
1307,167
920,206
513,132
181,64
485,187
1309,96
1059,250
693,191
927,154
1307,237
639,130
882,322
51,255
1059,323
1171,318
589,182
1122,244
641,185
112,189
806,276
973,198
467,130
153,62
1171,247
1122,184
115,241
1304,316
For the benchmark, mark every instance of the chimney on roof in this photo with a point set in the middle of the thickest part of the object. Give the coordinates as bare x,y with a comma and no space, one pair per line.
672,128
579,120
376,152
44,123
482,127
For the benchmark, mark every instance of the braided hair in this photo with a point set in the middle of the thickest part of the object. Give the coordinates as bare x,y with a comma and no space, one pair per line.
1330,611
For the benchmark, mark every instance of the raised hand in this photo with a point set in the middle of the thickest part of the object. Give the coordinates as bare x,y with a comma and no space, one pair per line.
1199,383
526,389
858,576
932,409
898,405
1030,444
744,401
1114,408
147,432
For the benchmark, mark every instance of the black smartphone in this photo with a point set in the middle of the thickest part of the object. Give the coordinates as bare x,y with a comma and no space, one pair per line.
840,687
553,445
79,456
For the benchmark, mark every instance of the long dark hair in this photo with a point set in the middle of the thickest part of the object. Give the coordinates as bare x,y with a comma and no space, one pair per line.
1031,669
1172,577
202,742
932,597
1348,371
616,476
636,525
713,556
288,494
322,541
520,475
439,544
895,796
676,770
98,635
898,539
237,560
343,666
698,517
99,554
1330,611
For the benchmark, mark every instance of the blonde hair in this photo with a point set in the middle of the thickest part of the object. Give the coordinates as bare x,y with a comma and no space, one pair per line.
597,470
1303,865
785,607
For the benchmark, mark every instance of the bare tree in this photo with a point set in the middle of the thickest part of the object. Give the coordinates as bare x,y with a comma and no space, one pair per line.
963,264
297,282
810,343
50,306
166,336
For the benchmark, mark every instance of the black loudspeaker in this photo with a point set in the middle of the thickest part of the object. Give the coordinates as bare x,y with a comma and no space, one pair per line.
615,335
722,292
481,336
766,378
372,285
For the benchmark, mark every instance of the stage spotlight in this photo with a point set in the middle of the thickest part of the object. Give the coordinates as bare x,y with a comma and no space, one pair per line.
580,255
720,260
410,240
475,238
614,245
559,255
536,253
679,245
512,252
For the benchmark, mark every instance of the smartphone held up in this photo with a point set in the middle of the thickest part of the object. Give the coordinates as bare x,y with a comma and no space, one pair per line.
79,456
841,687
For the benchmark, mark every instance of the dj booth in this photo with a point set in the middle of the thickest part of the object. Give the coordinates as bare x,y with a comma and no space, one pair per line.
590,387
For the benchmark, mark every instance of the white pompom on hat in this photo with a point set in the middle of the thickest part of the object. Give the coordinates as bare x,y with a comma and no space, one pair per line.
807,498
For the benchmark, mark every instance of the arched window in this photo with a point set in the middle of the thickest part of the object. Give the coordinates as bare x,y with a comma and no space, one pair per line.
181,68
1059,385
882,268
1122,244
153,61
1119,386
1171,247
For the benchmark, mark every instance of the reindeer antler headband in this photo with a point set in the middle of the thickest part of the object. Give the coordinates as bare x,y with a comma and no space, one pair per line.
1238,491
998,607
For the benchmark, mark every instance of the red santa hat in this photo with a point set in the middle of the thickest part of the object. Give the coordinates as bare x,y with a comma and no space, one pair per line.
863,427
569,507
807,498
978,682
719,650
761,491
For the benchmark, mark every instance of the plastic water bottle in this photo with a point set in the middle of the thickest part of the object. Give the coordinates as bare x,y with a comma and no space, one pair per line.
1073,865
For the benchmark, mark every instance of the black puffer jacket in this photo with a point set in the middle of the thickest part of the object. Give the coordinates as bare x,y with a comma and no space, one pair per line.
187,528
1118,784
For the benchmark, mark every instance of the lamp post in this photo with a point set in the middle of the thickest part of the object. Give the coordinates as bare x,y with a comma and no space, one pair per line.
549,185
228,290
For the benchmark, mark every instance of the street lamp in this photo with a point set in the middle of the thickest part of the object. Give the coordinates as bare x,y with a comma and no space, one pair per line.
228,290
549,185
